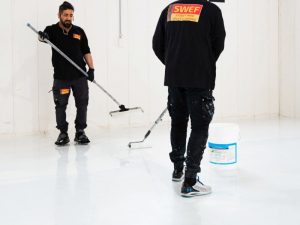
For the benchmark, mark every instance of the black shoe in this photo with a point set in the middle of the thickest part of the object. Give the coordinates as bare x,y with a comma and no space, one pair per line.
62,139
177,175
81,138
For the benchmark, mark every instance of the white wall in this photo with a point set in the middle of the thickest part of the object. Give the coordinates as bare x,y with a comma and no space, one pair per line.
247,76
19,84
289,38
247,82
6,84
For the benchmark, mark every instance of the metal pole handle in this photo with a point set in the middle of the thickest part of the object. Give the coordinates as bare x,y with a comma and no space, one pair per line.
159,118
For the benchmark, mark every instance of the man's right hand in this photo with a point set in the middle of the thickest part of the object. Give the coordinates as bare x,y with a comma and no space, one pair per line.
43,36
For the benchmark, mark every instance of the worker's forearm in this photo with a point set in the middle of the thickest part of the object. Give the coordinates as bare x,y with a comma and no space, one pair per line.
89,60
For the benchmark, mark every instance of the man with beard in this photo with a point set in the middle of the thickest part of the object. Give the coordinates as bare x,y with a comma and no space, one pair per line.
71,40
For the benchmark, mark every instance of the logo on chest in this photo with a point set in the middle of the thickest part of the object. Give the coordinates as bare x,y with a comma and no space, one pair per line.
77,36
184,12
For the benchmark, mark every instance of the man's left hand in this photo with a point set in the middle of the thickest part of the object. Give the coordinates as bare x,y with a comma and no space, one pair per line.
91,76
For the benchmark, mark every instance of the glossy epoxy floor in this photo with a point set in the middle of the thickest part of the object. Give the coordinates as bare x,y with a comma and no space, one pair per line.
106,183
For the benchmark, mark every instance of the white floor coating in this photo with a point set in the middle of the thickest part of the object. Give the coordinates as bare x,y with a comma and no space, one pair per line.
106,183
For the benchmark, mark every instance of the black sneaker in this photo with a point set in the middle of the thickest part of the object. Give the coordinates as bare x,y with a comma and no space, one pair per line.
62,139
195,190
177,175
81,138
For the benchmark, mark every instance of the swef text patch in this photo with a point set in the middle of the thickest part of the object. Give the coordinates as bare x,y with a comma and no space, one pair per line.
184,12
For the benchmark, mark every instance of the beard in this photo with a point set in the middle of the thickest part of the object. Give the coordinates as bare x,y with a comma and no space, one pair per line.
67,24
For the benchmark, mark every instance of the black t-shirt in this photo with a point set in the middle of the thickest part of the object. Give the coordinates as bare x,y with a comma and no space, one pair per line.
74,45
189,38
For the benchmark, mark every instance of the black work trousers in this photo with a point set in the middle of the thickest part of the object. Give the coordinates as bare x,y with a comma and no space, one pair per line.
198,105
61,92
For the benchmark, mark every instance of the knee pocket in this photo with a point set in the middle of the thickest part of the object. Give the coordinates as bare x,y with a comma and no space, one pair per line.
207,108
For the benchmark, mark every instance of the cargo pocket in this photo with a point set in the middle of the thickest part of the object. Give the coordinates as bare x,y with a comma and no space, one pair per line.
61,96
208,108
55,95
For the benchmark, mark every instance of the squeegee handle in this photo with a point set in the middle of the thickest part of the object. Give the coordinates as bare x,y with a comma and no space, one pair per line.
159,118
106,92
73,63
147,134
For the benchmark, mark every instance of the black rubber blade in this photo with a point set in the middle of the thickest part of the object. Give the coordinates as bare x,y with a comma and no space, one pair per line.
124,109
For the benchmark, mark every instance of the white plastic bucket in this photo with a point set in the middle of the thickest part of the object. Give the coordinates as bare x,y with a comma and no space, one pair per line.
223,143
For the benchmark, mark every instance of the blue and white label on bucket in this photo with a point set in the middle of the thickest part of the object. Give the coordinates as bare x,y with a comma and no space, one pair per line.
223,154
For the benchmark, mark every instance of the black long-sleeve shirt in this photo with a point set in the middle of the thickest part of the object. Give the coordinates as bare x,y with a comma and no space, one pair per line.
74,45
188,40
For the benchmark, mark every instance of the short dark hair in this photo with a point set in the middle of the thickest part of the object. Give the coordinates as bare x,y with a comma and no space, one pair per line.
64,6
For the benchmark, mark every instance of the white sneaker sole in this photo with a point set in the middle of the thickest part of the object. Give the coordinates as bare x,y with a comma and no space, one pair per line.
194,194
178,179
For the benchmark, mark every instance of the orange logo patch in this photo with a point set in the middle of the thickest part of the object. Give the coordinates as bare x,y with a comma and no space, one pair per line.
185,12
76,36
64,91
